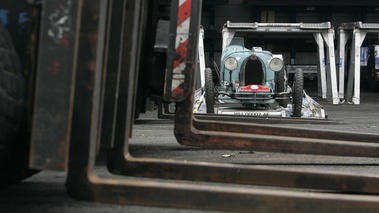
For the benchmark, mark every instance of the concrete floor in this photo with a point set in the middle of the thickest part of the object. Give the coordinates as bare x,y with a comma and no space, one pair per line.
45,191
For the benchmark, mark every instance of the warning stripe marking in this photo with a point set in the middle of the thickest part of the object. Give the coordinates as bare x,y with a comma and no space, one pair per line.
181,46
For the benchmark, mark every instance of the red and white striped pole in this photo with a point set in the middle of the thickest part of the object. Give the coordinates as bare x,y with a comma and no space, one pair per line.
181,46
182,58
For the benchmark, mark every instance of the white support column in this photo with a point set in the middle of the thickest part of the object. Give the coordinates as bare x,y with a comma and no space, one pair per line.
321,65
201,57
355,66
328,36
227,36
342,40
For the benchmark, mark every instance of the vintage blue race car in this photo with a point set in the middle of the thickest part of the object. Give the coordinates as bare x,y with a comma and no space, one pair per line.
254,78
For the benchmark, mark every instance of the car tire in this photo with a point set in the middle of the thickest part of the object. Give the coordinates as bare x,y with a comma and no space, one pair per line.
298,93
209,91
280,81
281,86
14,139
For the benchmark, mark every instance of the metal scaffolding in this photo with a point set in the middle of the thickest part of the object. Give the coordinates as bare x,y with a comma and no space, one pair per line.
357,31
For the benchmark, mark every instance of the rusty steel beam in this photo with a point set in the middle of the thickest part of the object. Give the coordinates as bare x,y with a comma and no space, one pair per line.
110,79
123,163
266,120
274,129
52,97
208,197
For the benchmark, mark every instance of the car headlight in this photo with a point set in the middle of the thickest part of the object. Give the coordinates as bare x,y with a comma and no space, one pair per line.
276,64
231,63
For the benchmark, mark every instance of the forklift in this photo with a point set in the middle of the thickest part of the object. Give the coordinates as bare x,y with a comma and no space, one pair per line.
75,74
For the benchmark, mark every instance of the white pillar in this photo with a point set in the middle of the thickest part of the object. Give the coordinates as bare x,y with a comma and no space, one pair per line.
358,37
201,57
321,65
342,40
332,75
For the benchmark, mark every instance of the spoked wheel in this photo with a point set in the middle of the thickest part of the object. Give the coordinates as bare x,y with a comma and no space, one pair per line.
297,93
209,91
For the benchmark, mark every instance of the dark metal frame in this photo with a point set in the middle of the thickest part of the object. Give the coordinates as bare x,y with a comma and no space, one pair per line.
85,106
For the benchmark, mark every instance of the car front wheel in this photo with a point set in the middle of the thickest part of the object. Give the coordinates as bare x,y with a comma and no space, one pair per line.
298,93
209,91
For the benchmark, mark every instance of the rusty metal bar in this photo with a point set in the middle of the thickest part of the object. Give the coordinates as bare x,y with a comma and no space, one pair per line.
102,54
280,130
111,72
138,37
52,103
239,174
265,120
207,197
